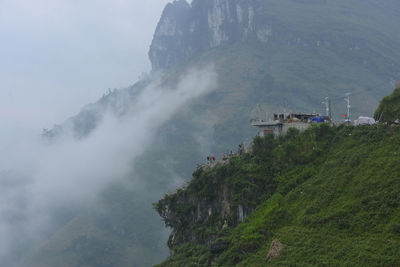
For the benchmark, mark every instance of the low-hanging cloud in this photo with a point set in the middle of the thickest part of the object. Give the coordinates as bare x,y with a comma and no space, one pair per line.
36,177
57,55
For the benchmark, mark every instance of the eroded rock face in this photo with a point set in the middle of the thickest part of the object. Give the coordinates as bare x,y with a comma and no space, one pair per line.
167,46
185,212
186,30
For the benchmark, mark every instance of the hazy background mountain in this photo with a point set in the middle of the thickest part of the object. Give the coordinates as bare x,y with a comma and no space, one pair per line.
287,54
60,55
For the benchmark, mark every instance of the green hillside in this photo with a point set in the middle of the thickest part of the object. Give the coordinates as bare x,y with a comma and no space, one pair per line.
330,195
389,108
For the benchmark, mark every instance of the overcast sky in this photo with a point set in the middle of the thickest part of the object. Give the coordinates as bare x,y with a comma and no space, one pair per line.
57,55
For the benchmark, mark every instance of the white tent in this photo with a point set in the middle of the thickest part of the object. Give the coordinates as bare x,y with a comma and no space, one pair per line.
364,120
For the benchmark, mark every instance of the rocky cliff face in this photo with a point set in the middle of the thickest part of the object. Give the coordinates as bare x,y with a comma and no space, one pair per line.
186,213
214,201
186,30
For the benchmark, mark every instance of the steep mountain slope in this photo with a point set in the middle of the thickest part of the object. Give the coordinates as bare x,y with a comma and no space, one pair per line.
286,54
188,30
330,195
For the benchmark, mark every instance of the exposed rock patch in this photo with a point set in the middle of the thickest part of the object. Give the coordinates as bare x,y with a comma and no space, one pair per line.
274,250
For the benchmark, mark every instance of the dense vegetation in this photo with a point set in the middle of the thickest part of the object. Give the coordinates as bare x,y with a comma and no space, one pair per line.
331,196
389,108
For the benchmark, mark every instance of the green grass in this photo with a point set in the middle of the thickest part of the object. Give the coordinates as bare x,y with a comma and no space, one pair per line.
333,200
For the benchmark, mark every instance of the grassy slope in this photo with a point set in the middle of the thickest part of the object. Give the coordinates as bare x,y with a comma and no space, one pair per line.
389,108
337,203
347,213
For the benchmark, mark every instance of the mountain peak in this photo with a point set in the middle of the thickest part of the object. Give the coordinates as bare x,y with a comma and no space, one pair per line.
186,30
166,46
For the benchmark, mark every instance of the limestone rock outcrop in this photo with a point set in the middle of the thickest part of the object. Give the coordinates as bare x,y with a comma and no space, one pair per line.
185,30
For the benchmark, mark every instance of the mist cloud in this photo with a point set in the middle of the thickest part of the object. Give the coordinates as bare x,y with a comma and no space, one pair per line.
57,55
36,177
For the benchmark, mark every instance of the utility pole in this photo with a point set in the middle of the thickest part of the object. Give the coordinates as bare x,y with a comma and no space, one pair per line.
327,104
347,99
259,112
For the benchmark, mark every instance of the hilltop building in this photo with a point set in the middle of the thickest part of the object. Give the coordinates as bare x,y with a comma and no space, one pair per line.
281,123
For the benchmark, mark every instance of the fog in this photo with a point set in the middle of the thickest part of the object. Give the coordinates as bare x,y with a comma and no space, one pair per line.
57,55
39,176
